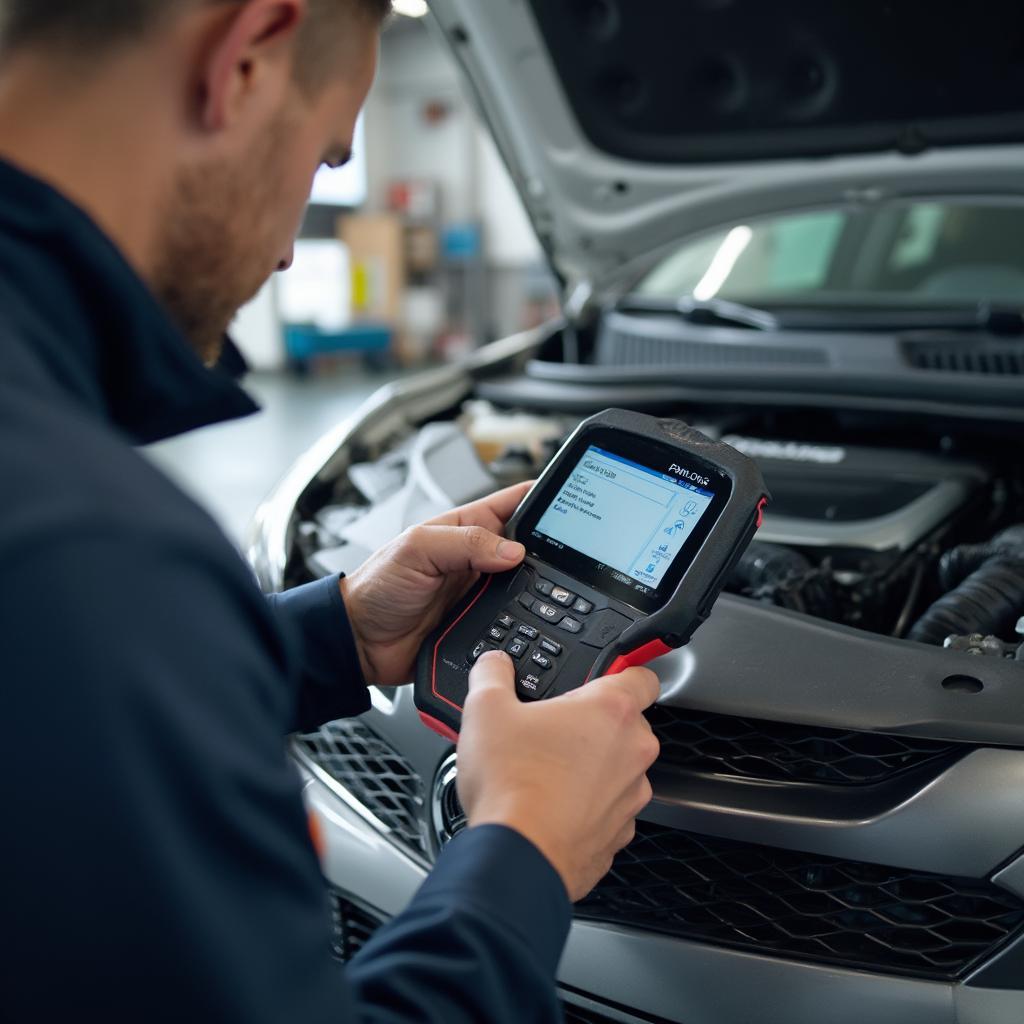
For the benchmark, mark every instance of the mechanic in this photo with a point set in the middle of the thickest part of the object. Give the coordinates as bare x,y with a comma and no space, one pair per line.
156,159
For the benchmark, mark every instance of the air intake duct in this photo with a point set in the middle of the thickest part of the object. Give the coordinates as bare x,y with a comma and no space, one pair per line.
986,590
771,572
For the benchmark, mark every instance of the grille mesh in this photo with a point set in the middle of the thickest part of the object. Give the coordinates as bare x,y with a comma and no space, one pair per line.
374,773
353,927
776,751
803,906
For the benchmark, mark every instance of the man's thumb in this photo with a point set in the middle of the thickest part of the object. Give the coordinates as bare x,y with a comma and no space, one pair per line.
494,670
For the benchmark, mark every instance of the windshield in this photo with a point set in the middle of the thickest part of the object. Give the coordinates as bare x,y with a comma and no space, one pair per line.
948,253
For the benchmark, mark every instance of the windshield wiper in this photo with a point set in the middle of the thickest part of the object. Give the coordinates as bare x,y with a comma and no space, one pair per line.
709,312
1004,320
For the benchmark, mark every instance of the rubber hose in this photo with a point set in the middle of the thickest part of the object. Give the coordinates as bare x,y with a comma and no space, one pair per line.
957,564
989,601
782,576
767,565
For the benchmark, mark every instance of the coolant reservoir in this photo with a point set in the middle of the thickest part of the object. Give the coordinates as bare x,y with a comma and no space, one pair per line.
493,432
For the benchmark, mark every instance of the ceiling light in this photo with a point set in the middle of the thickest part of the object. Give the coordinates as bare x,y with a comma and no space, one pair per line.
410,8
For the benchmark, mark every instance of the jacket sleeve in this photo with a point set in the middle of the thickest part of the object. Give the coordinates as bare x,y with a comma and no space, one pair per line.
331,683
156,831
490,890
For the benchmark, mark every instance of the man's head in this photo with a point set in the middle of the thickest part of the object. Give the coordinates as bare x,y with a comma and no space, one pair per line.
253,96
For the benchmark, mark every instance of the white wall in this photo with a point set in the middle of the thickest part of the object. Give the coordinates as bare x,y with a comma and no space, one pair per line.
458,152
257,330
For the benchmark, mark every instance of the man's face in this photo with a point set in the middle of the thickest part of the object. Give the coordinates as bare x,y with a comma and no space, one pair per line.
232,222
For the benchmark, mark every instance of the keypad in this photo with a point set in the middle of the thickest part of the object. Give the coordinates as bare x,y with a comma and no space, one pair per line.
536,655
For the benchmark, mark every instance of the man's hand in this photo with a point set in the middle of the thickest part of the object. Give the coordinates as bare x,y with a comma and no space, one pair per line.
567,773
398,595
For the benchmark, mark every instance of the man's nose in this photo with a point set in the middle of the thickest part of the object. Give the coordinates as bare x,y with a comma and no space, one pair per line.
286,261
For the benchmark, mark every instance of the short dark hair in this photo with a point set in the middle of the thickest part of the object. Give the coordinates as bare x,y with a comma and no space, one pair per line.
88,25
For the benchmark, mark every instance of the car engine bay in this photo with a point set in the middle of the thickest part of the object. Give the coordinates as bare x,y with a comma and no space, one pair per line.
921,539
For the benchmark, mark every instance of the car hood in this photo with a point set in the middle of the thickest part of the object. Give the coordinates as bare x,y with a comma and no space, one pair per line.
627,126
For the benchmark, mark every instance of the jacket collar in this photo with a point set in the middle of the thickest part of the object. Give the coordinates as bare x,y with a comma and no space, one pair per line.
101,333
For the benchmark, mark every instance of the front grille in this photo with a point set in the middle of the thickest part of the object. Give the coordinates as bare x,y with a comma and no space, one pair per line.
803,906
994,360
352,927
780,752
374,773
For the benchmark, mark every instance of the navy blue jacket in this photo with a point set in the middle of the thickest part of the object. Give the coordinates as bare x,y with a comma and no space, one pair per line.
156,862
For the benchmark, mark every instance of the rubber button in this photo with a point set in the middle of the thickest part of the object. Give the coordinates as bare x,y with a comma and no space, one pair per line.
531,632
547,611
481,648
496,634
517,647
582,606
550,646
562,596
541,660
543,587
570,625
505,621
527,601
532,687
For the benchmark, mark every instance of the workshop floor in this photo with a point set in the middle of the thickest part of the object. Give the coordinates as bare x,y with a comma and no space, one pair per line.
230,468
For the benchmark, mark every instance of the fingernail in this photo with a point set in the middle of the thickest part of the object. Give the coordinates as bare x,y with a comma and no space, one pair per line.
511,551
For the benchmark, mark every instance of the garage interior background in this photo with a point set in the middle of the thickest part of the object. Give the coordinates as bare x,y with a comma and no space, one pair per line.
428,255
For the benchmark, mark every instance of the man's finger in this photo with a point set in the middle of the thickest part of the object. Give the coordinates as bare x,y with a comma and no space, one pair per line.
446,549
492,512
640,683
493,670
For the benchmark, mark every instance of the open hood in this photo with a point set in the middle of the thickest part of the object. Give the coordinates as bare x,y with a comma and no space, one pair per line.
629,124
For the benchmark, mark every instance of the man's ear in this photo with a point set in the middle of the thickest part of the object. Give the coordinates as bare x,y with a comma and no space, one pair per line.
250,55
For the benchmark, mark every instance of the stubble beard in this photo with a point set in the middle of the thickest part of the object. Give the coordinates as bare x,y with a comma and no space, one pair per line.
217,245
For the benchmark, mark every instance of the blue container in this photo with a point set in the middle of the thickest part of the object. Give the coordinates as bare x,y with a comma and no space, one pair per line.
302,342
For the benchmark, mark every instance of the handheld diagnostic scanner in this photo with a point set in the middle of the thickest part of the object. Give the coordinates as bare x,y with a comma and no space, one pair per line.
630,534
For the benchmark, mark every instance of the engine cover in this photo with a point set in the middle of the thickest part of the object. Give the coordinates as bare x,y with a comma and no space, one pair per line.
869,499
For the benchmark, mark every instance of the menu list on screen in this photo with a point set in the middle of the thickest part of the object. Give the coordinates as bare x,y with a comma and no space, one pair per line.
623,515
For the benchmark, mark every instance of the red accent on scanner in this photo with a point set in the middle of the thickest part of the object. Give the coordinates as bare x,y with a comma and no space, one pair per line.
761,505
437,647
439,727
642,655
